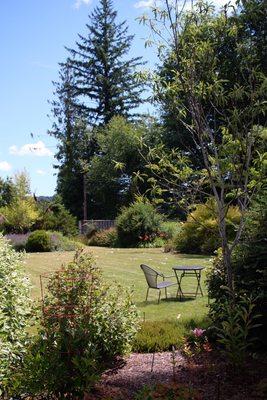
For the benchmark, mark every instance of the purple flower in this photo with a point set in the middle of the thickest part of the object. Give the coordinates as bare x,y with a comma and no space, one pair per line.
198,332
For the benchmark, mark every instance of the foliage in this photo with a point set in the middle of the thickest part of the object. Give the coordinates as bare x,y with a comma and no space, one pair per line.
97,82
216,277
138,223
38,241
7,192
104,238
238,319
200,233
196,342
218,92
154,242
22,185
250,259
89,229
18,241
159,336
85,326
169,229
42,241
249,263
20,215
62,243
102,70
15,309
168,391
110,180
54,217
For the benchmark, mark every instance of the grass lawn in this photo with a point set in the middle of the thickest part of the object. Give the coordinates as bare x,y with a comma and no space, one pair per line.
123,265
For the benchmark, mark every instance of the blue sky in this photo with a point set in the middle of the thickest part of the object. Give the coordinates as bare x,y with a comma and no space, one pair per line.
34,33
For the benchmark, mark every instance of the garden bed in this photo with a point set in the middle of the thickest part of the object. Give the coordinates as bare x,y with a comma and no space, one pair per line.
207,374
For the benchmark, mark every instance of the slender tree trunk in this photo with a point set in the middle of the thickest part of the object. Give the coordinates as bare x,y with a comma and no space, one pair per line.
85,212
228,266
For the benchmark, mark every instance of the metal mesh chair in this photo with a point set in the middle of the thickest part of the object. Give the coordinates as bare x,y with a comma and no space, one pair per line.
152,280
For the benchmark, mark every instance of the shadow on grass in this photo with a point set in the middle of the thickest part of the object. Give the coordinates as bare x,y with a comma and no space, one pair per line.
164,300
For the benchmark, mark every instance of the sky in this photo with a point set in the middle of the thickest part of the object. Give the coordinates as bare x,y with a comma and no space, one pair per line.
34,33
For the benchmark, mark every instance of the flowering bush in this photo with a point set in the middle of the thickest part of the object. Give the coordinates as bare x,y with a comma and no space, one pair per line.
196,342
18,240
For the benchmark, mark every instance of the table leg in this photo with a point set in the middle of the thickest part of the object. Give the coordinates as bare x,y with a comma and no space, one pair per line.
198,276
179,289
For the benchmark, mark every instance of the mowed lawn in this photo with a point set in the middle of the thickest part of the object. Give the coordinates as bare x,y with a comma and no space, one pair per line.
123,266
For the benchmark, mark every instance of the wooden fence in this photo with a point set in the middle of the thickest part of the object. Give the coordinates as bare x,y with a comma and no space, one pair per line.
100,224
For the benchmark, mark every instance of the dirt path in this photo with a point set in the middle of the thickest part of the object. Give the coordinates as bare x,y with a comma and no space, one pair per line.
138,372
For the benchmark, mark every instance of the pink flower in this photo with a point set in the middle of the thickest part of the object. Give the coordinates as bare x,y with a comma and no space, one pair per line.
198,332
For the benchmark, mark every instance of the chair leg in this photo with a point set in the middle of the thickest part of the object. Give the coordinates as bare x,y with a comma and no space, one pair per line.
159,296
147,293
166,294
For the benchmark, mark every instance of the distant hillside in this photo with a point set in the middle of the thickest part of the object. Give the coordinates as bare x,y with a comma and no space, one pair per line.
44,198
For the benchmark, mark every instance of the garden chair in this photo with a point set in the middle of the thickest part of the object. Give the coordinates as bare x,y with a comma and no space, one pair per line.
152,280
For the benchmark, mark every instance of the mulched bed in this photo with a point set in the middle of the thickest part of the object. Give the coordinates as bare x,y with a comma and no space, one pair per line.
207,373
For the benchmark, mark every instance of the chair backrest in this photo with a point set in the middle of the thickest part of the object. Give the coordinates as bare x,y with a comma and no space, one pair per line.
151,275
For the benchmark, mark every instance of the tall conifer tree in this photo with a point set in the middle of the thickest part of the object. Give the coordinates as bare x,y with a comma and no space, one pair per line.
96,83
104,78
76,144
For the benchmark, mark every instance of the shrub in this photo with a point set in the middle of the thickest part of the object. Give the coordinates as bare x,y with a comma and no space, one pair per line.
55,217
250,260
105,238
15,308
169,229
138,223
159,336
199,234
238,320
20,216
249,266
62,243
42,241
39,241
85,327
89,229
18,240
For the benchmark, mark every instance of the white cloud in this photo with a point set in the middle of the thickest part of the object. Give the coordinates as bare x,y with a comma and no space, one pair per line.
79,3
144,4
31,149
5,166
40,172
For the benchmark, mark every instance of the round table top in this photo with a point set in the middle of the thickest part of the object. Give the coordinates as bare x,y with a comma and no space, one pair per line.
188,267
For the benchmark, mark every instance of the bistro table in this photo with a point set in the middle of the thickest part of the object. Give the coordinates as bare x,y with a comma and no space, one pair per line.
182,271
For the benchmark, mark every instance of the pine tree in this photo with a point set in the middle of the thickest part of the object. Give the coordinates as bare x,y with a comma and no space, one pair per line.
76,143
104,78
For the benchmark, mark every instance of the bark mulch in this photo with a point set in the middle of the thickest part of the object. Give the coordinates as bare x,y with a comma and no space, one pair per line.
207,373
